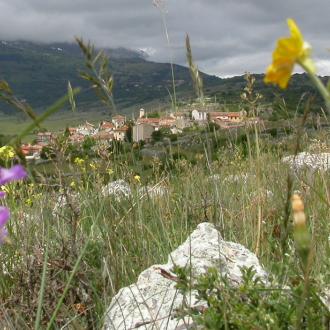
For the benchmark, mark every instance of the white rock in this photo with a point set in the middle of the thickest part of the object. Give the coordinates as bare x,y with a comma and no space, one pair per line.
214,177
264,194
61,204
239,178
325,297
320,161
153,191
119,189
151,301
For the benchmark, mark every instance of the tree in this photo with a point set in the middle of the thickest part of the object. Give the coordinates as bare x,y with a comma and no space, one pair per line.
157,135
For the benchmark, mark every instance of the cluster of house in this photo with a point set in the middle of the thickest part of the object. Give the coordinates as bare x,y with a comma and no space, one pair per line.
114,130
107,131
176,122
32,151
143,127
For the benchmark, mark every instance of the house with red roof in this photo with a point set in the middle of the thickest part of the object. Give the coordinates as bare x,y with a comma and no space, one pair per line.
118,120
232,117
106,126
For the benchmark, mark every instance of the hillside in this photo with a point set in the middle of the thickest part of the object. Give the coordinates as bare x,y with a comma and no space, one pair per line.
229,90
39,74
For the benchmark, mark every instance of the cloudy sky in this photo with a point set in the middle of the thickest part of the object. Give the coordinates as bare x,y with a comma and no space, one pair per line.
228,37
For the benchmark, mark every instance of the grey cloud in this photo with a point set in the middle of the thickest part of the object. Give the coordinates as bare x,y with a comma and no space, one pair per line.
228,36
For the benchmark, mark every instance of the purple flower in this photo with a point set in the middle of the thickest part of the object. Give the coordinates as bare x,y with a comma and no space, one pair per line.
4,217
17,172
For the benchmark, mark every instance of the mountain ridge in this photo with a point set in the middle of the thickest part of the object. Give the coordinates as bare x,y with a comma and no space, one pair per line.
39,73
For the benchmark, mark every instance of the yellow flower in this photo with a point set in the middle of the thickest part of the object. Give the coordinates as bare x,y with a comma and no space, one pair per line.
93,166
29,202
79,161
110,171
72,184
5,189
137,178
7,152
288,52
199,156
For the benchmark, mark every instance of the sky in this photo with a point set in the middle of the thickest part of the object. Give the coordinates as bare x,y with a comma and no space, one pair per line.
228,37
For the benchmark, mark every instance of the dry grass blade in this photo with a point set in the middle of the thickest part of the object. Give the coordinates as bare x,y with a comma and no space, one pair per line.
195,74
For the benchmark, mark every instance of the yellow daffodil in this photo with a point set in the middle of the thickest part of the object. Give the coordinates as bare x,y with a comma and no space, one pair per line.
288,52
137,178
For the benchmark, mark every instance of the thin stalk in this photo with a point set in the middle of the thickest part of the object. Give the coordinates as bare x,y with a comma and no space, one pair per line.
248,144
50,111
319,85
105,90
171,58
43,283
259,191
67,286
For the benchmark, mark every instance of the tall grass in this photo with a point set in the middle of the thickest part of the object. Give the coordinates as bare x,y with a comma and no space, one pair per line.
115,240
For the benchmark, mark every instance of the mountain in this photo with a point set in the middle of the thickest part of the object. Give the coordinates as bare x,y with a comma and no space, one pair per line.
289,100
39,74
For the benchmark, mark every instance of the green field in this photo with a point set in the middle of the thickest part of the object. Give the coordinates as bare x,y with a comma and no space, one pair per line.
10,125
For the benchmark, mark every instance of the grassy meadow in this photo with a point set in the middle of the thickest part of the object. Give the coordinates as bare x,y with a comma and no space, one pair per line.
63,265
10,125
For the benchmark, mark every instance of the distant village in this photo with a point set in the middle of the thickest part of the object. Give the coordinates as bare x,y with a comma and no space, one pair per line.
143,127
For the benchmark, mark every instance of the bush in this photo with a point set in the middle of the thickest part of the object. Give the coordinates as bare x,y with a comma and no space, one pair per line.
47,152
157,136
251,305
173,137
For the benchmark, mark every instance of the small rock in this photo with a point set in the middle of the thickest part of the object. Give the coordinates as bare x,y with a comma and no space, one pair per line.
119,189
153,191
320,161
263,194
63,201
237,178
151,301
325,297
214,178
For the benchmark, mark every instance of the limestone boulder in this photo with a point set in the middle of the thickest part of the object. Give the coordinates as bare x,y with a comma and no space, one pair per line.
153,191
316,161
150,303
119,189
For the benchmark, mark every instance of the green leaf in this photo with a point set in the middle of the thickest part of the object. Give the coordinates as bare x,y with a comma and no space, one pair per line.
50,111
110,84
4,86
8,96
97,57
71,97
88,77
